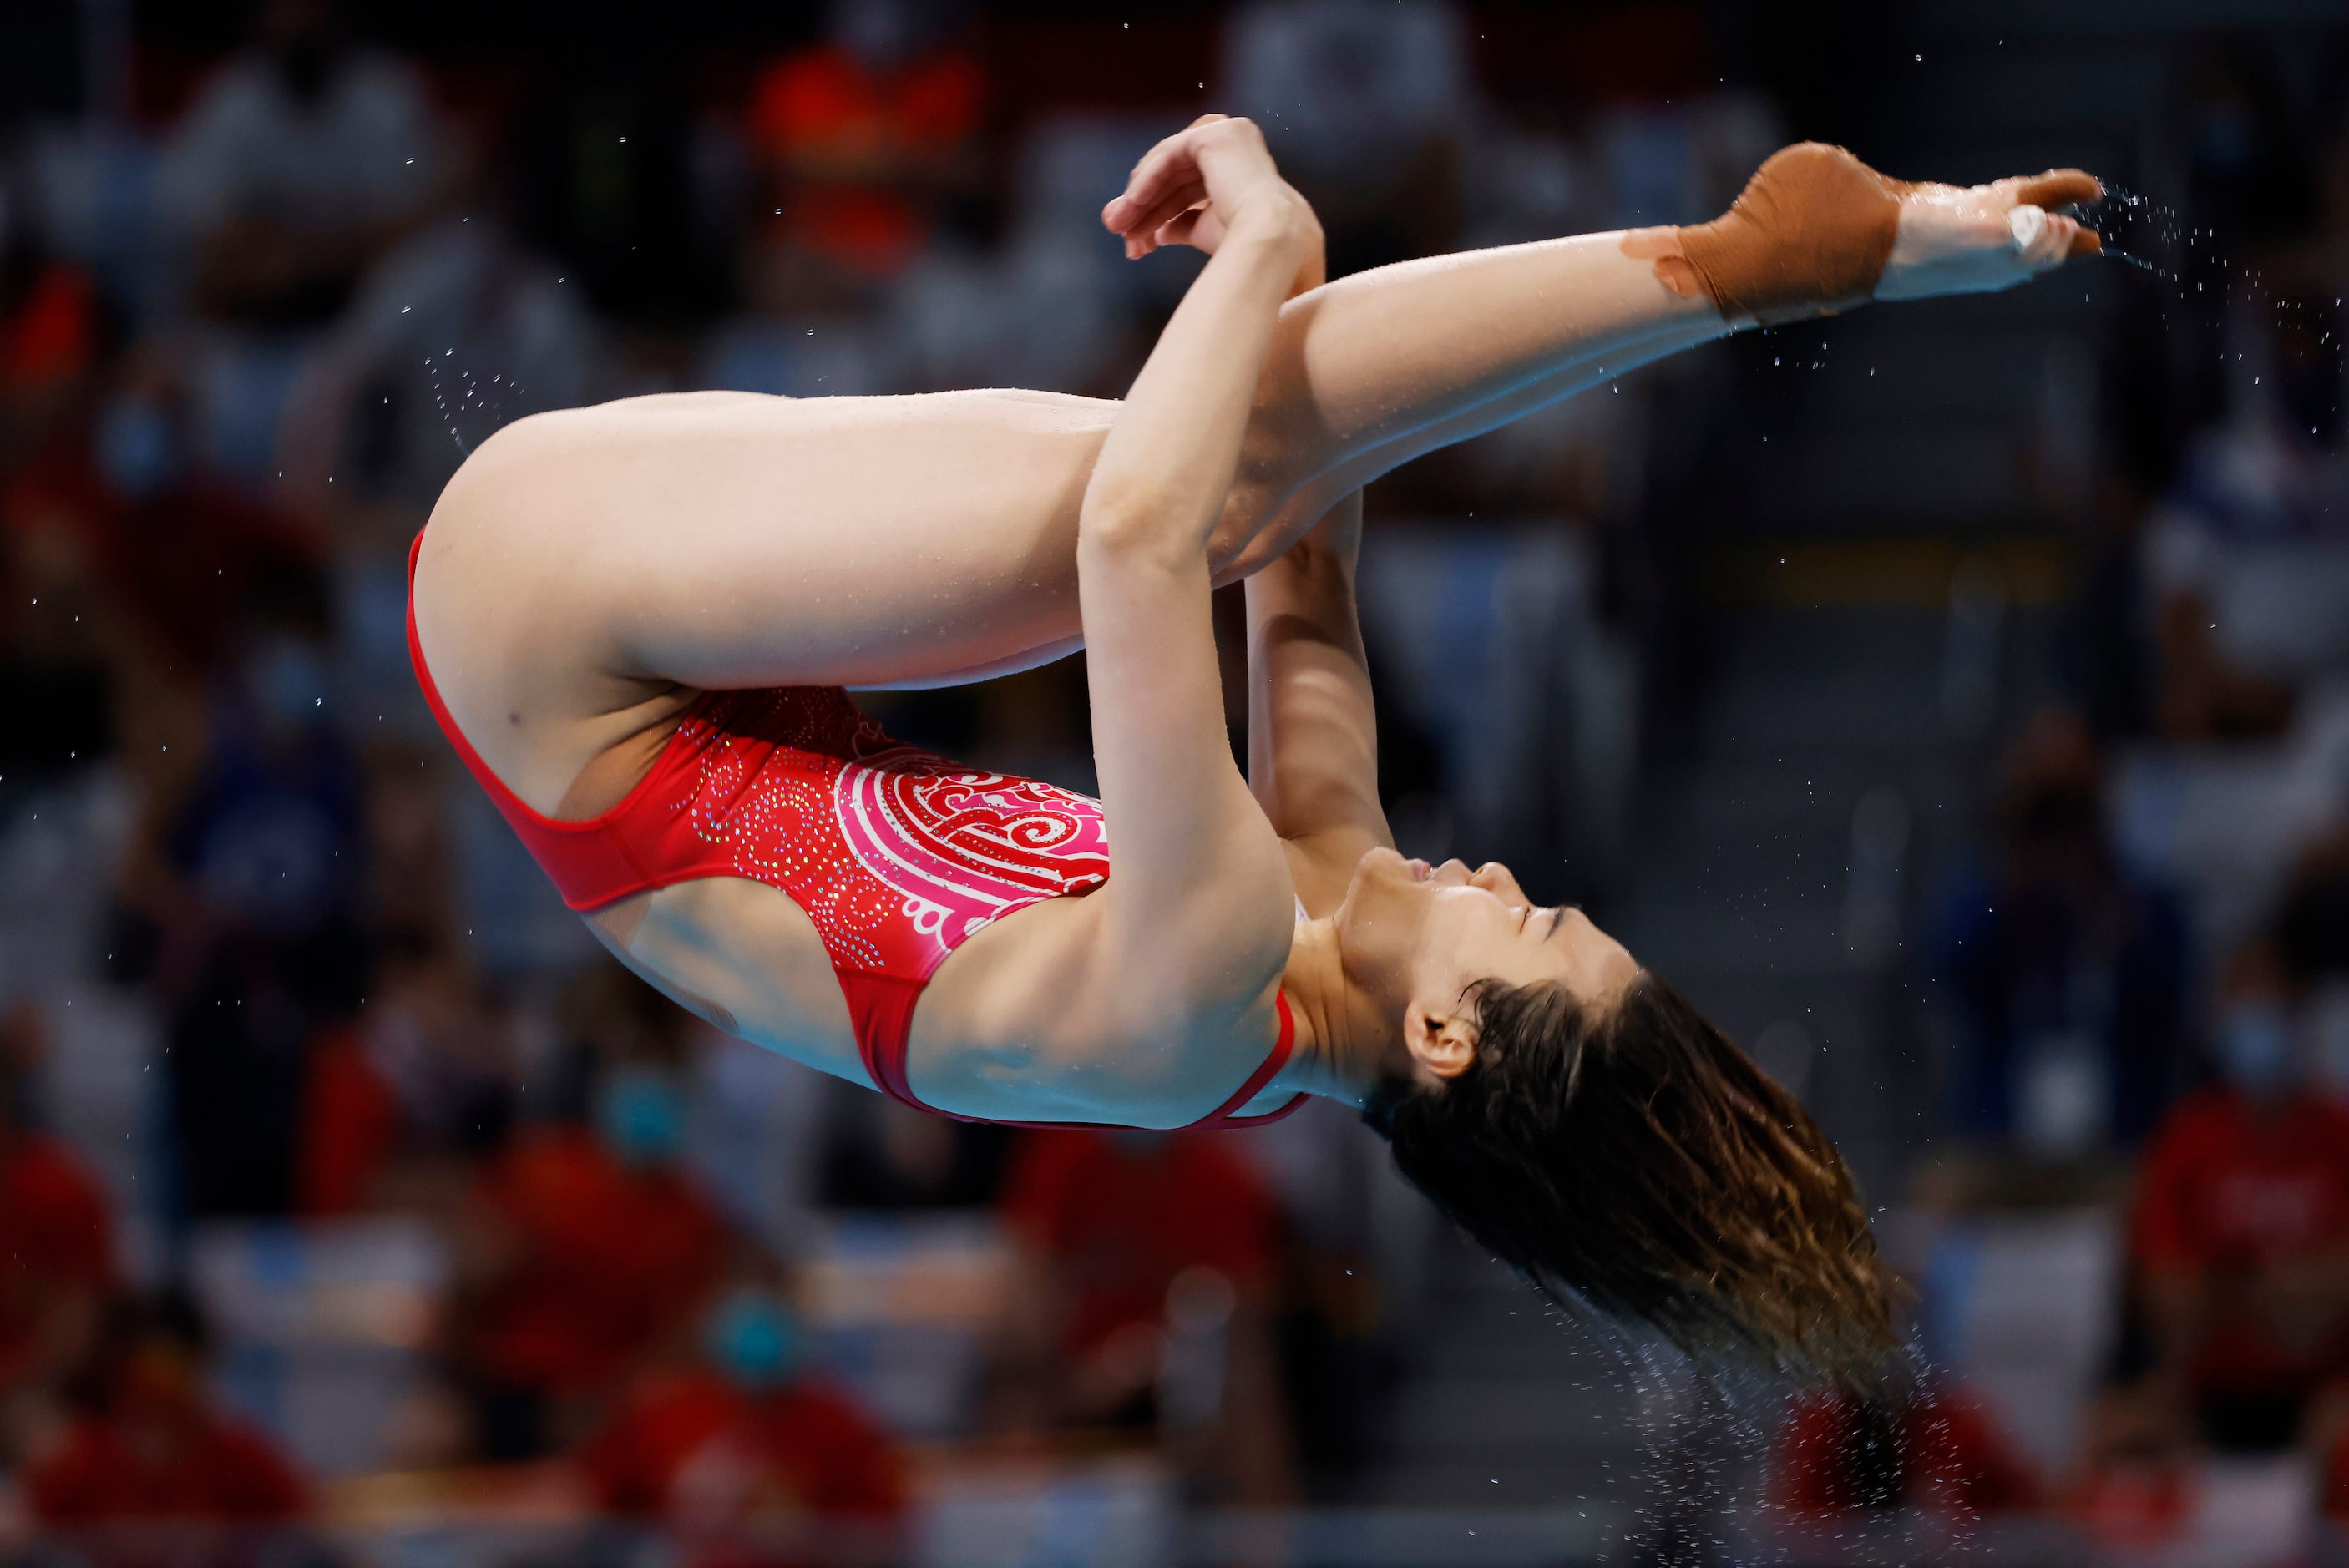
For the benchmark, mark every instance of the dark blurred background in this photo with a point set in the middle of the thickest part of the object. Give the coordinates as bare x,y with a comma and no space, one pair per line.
1953,698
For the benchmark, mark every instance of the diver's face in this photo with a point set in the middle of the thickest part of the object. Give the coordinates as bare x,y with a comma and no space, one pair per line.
1414,937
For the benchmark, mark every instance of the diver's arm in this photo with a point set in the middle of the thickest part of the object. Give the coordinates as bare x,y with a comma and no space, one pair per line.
1198,868
1313,739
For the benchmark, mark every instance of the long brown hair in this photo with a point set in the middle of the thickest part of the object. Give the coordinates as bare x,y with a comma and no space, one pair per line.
1637,1162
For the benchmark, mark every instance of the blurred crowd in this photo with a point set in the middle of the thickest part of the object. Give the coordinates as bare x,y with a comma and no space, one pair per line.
2139,970
334,1153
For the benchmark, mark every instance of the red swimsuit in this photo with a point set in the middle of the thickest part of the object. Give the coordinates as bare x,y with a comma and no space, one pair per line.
896,854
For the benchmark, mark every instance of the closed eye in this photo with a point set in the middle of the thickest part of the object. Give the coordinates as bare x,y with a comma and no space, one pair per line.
1557,918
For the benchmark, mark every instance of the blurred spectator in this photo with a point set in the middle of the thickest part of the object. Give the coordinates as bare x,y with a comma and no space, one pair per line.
2313,939
2248,555
303,160
1931,1448
350,1127
2227,144
607,186
151,1446
179,555
878,1154
56,1244
1145,1299
2239,1238
858,136
591,1247
2068,976
745,1436
2227,170
1364,105
2136,1489
266,853
756,1123
412,862
398,1106
455,333
2110,654
2335,1481
50,331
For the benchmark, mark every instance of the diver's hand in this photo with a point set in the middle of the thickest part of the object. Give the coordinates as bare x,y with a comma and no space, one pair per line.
1188,190
1984,238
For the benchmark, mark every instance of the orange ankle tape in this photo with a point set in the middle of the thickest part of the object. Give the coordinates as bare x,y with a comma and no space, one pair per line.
1808,236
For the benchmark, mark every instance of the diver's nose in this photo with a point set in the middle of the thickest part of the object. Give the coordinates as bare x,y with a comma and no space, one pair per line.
1496,878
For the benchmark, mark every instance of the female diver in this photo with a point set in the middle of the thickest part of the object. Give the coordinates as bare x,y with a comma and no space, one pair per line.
635,621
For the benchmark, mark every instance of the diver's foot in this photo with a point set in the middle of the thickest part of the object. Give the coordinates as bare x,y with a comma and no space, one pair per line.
1817,231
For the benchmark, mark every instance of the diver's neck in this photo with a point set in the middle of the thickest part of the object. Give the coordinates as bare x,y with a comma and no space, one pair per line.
1342,1038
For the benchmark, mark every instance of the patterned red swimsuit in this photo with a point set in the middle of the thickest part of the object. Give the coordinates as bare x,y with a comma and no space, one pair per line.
896,854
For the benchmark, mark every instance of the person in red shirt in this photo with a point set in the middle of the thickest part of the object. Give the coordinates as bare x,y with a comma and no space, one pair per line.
591,1247
1938,1451
50,338
2240,1239
398,1104
745,1437
2135,1489
152,1447
1140,1251
859,133
57,1236
350,1126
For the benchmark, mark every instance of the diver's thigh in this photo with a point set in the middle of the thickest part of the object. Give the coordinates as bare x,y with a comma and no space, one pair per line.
585,566
854,541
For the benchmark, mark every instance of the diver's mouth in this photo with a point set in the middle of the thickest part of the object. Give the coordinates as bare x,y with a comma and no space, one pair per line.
1420,870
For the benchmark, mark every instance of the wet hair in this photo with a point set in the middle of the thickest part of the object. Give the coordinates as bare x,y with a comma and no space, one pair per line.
1635,1162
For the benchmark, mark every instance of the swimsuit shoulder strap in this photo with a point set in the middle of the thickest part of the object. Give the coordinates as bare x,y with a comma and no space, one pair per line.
1283,1049
884,1013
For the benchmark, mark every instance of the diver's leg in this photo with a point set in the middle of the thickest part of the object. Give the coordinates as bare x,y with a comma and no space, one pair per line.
1375,369
585,571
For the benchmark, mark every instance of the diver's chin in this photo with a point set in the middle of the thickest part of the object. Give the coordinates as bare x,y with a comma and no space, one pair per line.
1377,924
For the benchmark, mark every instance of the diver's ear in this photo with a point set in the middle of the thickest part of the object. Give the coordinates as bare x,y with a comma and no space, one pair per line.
1445,1045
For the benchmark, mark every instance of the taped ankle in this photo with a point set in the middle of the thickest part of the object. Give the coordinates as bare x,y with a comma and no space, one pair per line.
1809,235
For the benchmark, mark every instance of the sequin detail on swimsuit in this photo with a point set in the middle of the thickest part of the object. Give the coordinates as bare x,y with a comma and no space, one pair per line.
896,854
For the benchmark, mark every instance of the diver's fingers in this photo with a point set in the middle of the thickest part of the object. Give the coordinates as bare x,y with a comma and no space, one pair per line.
1173,162
2043,239
1184,229
1168,207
